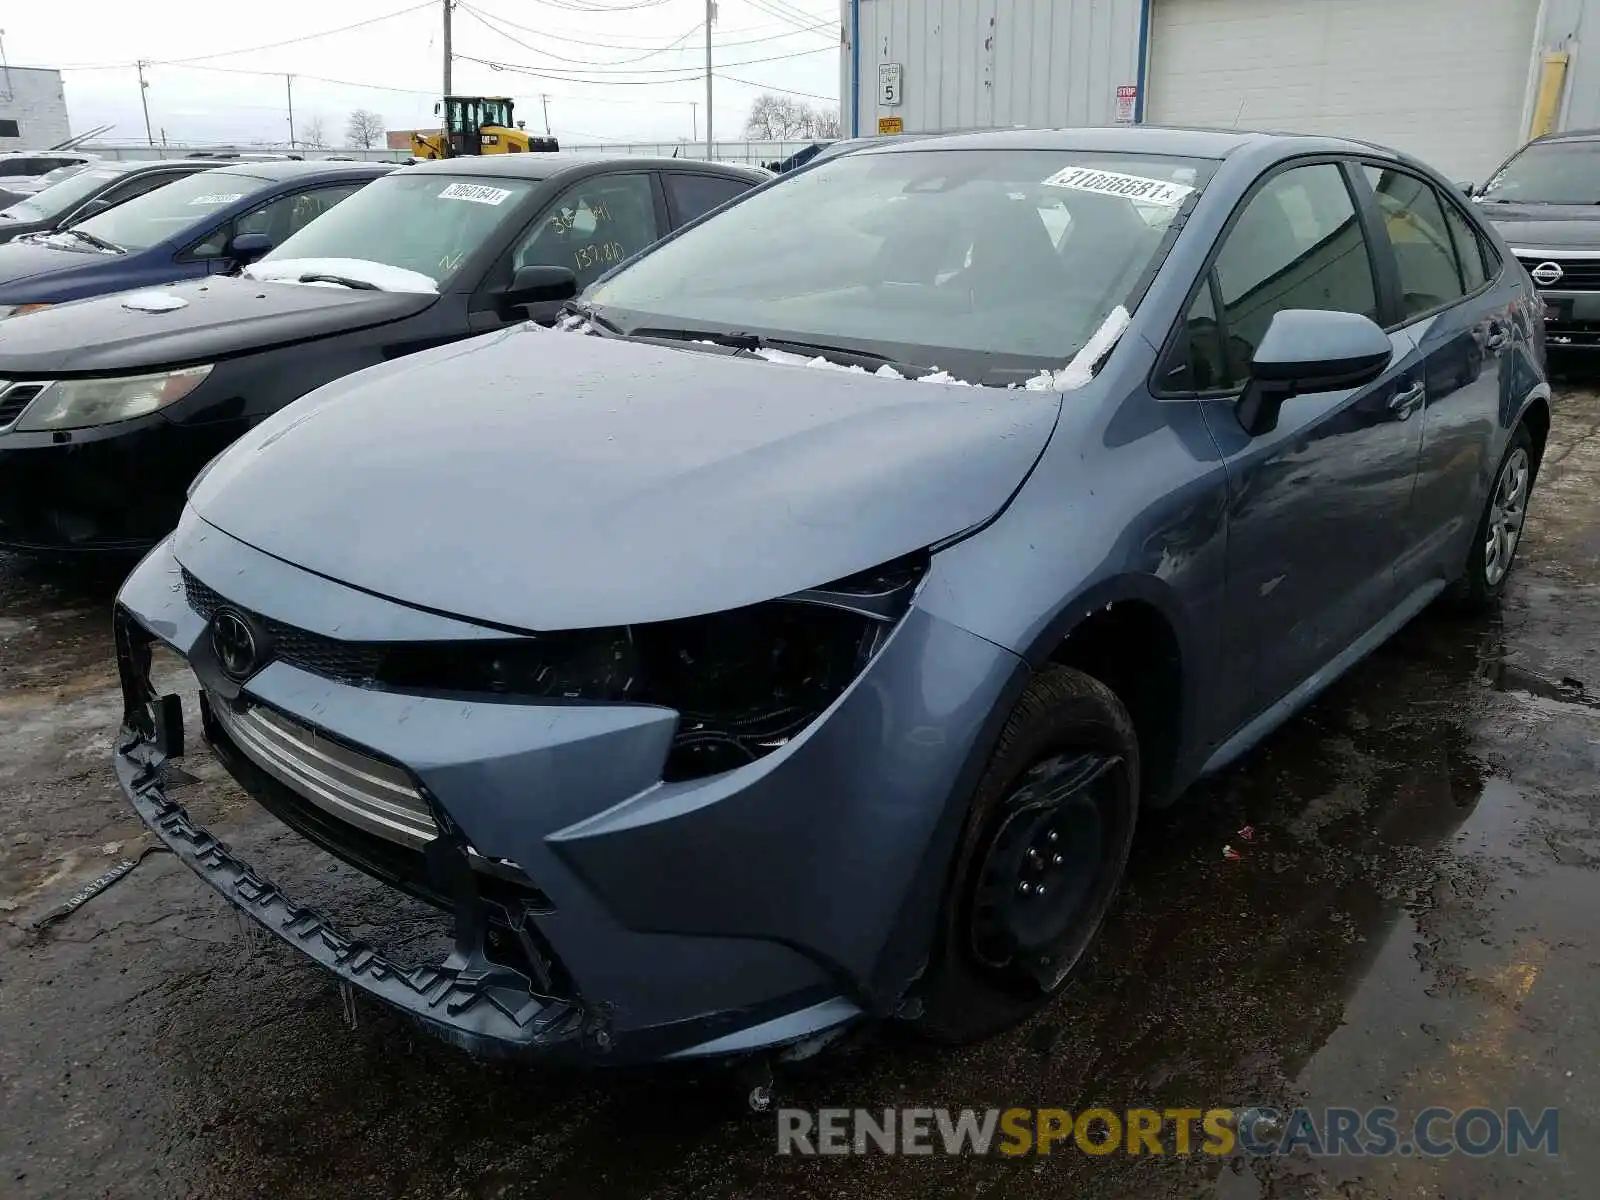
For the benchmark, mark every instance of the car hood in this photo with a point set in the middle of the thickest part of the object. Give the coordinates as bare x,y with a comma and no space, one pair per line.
1546,226
216,318
13,227
29,260
542,480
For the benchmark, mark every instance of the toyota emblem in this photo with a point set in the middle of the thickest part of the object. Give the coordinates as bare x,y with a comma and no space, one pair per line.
1547,273
233,641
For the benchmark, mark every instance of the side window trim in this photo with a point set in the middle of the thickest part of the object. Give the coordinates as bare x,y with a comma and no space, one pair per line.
1177,333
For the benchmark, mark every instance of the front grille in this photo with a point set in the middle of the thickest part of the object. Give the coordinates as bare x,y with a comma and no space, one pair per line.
14,397
1577,274
346,662
367,792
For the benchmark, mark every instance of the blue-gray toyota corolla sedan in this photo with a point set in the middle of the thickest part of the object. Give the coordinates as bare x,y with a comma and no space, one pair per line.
796,633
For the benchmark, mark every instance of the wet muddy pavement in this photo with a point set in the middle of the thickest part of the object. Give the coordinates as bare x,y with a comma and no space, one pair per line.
1415,922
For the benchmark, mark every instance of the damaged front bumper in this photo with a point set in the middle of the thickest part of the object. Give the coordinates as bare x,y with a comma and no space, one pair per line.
599,914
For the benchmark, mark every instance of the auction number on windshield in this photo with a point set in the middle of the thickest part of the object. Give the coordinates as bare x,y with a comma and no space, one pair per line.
599,254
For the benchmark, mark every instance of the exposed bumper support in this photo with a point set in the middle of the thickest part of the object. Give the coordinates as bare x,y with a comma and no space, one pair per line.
466,1000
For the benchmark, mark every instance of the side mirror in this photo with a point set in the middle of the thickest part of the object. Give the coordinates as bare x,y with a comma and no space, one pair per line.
1309,350
1468,189
245,248
536,284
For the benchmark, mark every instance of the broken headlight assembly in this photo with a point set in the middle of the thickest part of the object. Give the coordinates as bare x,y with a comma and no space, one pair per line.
744,682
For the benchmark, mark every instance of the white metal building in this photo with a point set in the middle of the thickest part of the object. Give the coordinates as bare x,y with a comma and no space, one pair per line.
1459,83
33,108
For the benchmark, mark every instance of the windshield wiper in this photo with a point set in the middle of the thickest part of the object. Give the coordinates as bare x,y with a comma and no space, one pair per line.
99,243
740,340
573,309
360,285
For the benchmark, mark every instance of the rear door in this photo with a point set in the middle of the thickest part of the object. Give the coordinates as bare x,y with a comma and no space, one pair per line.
1316,505
1463,317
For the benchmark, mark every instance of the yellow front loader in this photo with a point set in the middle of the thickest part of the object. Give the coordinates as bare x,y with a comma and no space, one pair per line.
478,125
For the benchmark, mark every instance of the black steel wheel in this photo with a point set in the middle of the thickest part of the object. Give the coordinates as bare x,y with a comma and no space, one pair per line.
1043,852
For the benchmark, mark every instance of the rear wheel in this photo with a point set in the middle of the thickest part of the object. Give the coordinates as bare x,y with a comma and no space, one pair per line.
1494,548
1040,860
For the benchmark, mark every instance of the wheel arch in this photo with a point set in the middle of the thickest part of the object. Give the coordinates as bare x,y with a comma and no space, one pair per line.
1132,634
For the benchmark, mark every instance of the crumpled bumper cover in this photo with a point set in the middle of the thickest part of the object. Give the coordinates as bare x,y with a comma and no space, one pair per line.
748,910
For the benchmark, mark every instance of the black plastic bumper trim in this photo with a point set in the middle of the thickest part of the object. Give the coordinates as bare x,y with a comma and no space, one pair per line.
483,1010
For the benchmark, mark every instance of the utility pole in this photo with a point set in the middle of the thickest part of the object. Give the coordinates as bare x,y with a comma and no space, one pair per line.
144,102
694,121
288,84
711,15
447,55
545,100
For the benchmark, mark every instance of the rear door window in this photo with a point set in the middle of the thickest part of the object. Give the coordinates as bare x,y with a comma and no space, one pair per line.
1430,276
692,196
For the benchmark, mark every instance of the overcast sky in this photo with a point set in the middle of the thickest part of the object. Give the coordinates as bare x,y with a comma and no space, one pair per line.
605,64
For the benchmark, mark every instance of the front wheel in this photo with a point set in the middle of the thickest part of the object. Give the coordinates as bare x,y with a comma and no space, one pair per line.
1039,863
1500,527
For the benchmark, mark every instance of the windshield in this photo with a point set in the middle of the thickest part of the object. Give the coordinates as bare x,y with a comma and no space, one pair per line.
1549,173
154,217
971,261
427,223
62,197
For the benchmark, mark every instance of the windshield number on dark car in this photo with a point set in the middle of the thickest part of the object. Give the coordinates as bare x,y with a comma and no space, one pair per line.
596,253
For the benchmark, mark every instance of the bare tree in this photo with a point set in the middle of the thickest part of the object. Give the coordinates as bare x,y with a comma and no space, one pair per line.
365,129
776,118
314,133
824,123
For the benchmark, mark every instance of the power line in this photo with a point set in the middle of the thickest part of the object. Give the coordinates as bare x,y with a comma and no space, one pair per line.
791,15
615,44
584,62
771,87
296,40
554,72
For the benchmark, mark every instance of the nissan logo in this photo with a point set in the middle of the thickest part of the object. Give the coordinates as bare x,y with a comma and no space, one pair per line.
1546,273
233,641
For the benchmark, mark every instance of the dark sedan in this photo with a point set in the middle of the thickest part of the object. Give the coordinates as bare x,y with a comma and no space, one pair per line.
91,190
207,224
798,634
108,407
1545,201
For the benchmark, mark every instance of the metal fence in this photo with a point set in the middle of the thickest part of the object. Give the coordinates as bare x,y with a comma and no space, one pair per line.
753,153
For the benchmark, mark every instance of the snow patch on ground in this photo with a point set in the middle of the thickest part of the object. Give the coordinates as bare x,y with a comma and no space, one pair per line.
1080,370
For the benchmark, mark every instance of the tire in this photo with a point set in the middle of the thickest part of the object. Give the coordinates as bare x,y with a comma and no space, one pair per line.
1490,560
1062,787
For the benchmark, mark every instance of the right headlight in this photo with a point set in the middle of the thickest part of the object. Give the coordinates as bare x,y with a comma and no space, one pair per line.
80,403
744,681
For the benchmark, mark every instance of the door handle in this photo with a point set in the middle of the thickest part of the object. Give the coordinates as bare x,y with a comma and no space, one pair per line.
1406,402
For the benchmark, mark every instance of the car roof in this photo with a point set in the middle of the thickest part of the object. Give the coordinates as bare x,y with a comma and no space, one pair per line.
289,169
130,166
541,165
1133,139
